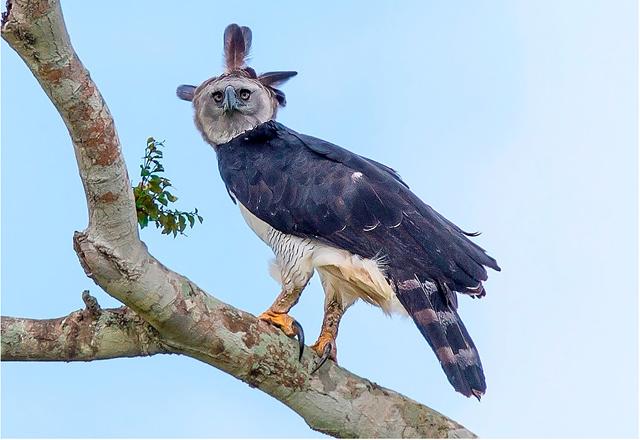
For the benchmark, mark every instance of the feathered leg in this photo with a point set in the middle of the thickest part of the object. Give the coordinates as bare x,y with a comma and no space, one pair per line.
292,267
325,347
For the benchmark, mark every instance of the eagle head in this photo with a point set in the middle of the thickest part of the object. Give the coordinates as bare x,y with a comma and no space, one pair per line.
239,99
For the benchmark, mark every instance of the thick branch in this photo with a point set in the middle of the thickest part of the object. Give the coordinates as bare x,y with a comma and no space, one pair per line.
36,31
188,320
83,335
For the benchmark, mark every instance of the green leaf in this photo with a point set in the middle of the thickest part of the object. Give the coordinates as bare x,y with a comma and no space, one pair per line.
154,186
152,198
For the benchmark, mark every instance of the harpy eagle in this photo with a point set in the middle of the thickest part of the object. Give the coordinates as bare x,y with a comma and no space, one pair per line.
323,208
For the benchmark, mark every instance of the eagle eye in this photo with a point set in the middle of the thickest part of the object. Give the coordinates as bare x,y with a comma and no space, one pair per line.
244,94
217,97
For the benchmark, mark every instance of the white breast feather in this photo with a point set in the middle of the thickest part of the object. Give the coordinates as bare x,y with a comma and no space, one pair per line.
343,272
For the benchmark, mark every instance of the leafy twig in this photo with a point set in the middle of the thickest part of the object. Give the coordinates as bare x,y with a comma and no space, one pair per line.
153,197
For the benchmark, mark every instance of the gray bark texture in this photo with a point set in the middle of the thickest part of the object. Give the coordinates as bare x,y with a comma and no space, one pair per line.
166,312
84,335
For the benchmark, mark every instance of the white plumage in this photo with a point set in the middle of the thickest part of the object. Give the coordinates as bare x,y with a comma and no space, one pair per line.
343,274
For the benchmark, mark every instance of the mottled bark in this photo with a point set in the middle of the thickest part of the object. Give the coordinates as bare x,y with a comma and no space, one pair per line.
84,335
181,318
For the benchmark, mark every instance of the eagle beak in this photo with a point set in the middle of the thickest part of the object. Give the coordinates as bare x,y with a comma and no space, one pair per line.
230,102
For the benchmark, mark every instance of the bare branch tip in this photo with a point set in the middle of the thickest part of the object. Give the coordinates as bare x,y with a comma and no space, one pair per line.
91,304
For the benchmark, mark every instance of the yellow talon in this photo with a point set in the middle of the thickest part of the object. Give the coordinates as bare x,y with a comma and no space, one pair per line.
288,325
281,320
324,339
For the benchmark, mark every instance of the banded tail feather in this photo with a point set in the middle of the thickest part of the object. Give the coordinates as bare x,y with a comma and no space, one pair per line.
441,326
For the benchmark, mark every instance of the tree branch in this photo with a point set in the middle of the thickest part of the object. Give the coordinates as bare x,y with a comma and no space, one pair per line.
84,335
186,319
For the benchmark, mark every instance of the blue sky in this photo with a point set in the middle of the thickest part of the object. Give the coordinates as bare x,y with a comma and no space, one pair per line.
515,118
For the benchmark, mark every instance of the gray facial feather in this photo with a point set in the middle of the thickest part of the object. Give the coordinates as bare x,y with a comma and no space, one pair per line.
219,121
218,126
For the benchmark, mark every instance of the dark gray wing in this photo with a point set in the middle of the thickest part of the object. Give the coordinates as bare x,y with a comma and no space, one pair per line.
307,187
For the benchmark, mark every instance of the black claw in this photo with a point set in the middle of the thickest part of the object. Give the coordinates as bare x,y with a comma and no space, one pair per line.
325,355
300,337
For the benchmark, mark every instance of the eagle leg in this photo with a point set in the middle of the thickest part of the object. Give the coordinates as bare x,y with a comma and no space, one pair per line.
329,347
325,346
277,315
